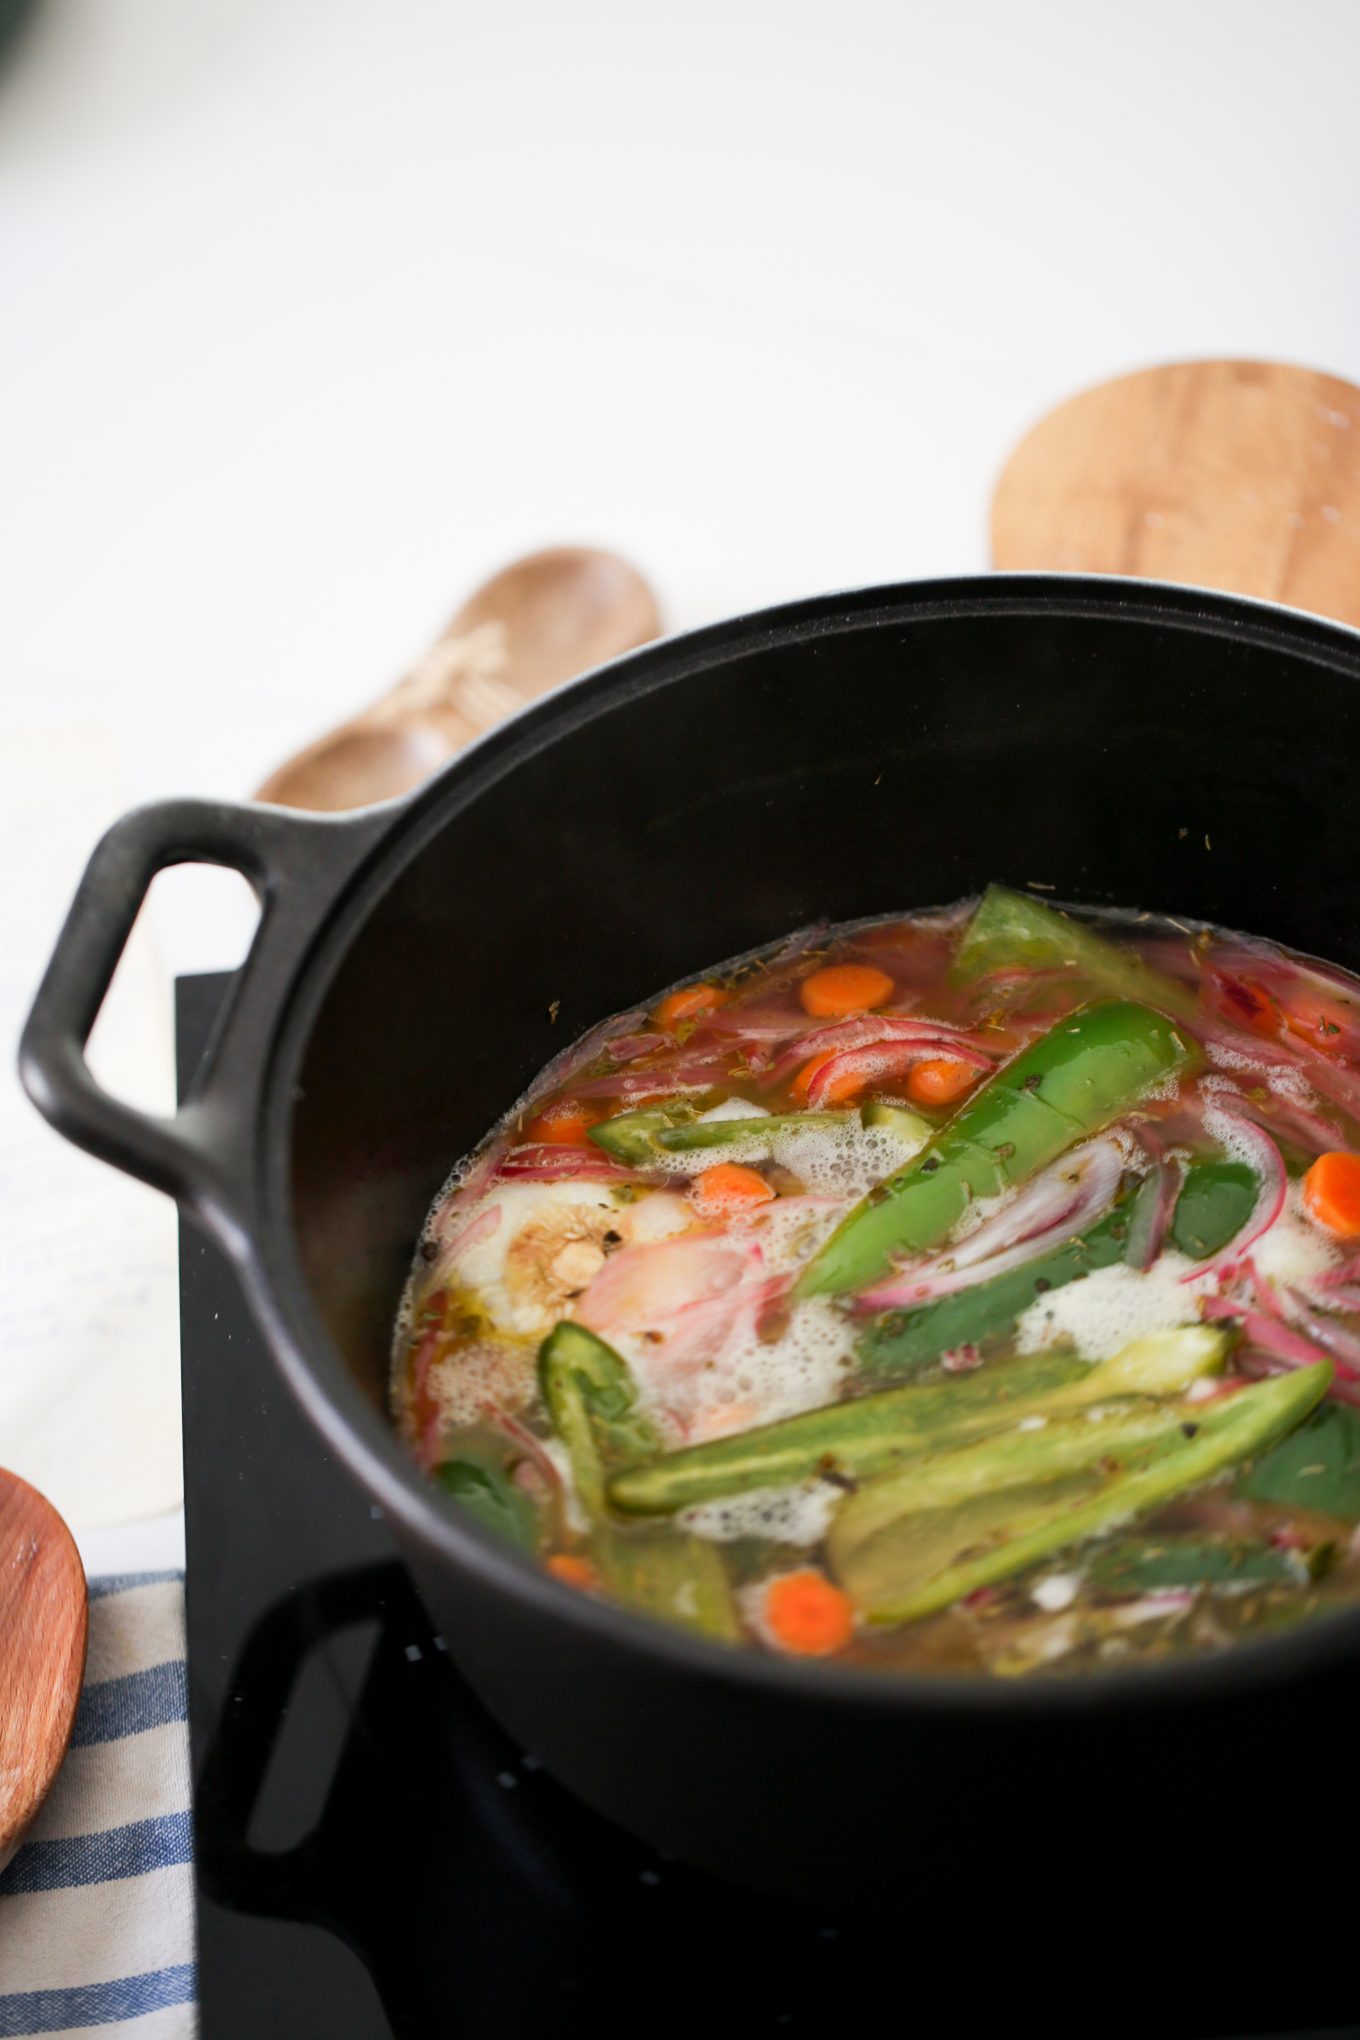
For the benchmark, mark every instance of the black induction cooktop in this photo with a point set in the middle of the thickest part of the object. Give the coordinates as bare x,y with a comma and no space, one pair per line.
374,1857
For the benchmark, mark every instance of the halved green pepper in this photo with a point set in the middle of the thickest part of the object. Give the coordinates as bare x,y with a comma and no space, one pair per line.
860,1438
592,1402
1010,928
1087,1070
900,1561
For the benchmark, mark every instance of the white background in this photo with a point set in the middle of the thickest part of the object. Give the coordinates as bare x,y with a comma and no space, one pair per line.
312,312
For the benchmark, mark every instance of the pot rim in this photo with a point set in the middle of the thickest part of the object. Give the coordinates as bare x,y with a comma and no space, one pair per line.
362,1437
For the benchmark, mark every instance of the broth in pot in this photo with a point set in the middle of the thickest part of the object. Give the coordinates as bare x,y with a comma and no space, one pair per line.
975,1291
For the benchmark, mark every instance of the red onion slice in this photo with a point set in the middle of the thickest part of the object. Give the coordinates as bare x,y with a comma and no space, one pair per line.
1278,1348
553,1163
1060,1202
1150,1223
1342,1343
885,1059
689,1073
628,1047
863,1029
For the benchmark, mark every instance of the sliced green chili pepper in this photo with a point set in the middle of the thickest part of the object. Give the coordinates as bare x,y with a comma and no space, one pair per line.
1010,928
860,1438
704,1133
591,1400
1082,1074
903,1566
631,1136
1017,1457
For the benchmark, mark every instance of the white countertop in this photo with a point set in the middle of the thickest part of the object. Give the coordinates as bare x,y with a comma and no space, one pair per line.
316,312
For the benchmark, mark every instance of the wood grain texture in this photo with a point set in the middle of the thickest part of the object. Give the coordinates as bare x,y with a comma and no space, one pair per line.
1241,475
536,623
44,1615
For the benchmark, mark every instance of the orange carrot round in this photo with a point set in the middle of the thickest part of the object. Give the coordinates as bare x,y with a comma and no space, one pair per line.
564,1124
845,988
840,1090
940,1081
806,1614
1331,1190
730,1186
689,1003
573,1570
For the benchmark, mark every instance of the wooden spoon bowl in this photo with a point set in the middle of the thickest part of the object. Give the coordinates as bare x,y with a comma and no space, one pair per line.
1242,475
44,1620
535,624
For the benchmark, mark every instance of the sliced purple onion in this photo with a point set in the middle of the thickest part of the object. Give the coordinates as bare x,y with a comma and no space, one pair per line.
555,1162
1273,1347
688,1073
1341,1343
1153,1209
887,1059
864,1029
1060,1202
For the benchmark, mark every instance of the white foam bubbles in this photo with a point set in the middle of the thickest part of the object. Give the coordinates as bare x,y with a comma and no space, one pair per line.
796,1515
843,1158
1103,1312
746,1380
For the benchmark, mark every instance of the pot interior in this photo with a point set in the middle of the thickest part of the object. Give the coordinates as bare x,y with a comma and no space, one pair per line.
858,756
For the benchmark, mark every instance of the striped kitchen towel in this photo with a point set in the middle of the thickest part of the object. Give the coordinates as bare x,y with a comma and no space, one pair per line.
96,1909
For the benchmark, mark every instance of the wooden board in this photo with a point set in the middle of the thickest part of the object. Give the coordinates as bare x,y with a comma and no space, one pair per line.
1243,475
43,1624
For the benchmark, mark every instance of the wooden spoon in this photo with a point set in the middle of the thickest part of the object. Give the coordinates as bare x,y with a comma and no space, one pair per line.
543,620
44,1617
1242,475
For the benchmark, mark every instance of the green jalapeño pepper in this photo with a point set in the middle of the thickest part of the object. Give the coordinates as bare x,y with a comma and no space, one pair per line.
1087,1070
592,1402
905,1545
1011,928
862,1437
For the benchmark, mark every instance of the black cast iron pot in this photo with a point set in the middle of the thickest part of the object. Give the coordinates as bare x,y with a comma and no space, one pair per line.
418,963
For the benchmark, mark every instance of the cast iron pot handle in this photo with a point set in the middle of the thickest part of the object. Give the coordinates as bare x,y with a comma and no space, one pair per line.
296,865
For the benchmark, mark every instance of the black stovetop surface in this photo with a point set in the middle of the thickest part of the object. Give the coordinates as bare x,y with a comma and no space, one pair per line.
374,1857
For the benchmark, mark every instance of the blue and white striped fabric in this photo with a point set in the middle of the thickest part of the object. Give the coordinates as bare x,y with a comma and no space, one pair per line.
96,1909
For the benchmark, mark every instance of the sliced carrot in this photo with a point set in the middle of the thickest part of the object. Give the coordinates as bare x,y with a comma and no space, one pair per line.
940,1081
1331,1190
730,1186
845,988
564,1124
572,1570
840,1090
806,1614
689,1003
